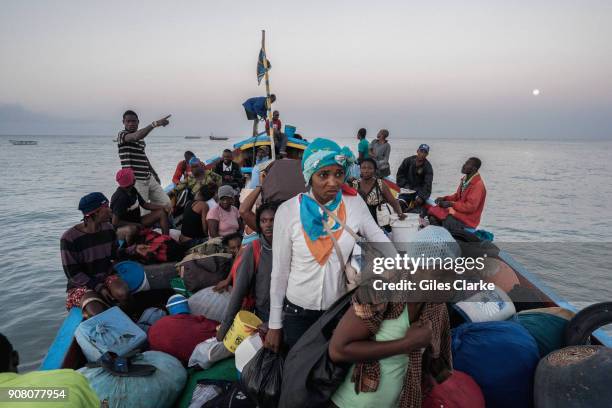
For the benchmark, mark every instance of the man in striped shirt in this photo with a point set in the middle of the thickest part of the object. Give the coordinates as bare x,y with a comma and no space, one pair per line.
88,250
132,155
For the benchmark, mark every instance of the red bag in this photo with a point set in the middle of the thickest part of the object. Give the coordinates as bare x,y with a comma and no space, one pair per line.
178,335
458,391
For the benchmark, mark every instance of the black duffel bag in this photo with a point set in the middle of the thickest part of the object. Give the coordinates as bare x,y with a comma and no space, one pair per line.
310,377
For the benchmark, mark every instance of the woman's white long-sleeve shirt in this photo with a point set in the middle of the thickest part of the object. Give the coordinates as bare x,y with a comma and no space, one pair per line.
295,272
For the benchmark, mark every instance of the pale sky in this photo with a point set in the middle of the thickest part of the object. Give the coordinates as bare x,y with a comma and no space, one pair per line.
420,69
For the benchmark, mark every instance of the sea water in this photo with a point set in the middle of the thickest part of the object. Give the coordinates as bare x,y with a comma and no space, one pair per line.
553,195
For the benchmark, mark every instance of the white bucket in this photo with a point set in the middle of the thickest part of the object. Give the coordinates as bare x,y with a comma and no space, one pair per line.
247,350
404,230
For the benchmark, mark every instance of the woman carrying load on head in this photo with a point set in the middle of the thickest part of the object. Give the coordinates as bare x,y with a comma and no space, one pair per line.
373,190
307,271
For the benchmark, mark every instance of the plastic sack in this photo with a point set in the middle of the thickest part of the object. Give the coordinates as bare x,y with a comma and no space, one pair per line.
209,303
178,335
207,390
207,353
247,350
159,389
501,357
149,317
234,397
111,330
262,378
486,306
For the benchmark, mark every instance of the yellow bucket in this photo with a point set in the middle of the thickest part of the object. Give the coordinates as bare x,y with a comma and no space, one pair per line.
243,326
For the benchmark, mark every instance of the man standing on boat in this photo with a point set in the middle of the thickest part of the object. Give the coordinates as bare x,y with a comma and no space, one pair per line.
256,108
415,177
130,142
362,146
464,208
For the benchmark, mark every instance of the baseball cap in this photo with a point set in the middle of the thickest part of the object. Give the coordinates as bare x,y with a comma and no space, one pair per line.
424,147
226,191
91,202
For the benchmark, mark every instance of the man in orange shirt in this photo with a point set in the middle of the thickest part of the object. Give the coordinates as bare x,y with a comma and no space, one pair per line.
466,204
183,169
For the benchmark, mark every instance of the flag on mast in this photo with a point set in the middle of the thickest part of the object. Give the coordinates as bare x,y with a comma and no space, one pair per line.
261,68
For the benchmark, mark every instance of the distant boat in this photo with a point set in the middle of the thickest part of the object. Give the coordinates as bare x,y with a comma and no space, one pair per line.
193,137
23,142
217,137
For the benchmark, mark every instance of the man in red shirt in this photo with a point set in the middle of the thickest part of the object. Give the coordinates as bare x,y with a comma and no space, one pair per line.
280,140
276,123
183,169
466,204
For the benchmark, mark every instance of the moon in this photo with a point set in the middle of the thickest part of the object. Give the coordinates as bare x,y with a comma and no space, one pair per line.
535,92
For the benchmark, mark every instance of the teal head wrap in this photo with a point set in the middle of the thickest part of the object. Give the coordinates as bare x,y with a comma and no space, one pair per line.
324,152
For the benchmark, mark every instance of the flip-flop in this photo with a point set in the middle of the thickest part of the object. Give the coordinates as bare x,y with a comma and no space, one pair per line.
121,366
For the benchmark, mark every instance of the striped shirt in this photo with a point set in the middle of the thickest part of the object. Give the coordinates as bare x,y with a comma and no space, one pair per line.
86,258
132,155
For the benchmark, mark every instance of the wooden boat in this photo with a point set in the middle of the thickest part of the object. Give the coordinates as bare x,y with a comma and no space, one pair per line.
23,142
66,353
211,137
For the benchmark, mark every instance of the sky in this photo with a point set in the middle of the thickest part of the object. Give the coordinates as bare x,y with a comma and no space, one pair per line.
420,69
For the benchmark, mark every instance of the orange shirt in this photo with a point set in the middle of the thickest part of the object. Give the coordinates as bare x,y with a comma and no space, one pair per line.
468,204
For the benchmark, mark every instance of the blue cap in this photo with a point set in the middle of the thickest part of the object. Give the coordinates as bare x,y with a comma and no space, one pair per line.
424,147
91,202
193,161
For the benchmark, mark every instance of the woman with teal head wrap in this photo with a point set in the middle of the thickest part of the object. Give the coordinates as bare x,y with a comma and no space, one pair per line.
326,185
307,272
322,153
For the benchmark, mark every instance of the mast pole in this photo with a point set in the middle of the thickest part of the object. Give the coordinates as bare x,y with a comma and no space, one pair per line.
268,102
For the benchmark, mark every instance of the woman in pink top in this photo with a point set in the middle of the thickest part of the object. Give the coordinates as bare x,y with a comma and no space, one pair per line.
225,218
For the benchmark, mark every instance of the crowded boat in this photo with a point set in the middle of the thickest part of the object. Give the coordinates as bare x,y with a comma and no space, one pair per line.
246,282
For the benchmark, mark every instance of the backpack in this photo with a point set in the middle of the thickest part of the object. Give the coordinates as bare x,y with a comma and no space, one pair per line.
201,271
310,377
249,301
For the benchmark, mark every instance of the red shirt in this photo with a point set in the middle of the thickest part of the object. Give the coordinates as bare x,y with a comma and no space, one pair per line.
468,205
182,169
276,125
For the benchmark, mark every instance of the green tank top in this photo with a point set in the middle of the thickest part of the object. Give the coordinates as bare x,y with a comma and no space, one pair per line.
392,372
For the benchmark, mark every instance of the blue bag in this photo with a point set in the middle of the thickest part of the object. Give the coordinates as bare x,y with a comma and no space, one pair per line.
501,357
160,389
111,330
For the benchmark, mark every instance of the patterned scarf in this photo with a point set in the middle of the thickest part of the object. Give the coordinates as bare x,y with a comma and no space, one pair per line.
313,217
366,376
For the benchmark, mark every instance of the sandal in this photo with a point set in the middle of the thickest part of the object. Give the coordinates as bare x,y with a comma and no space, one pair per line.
122,366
